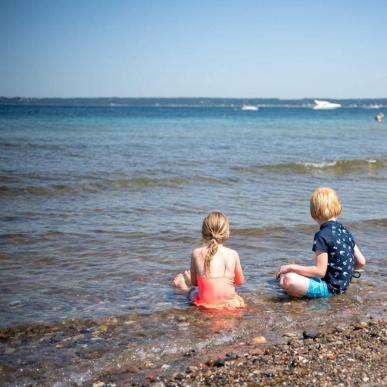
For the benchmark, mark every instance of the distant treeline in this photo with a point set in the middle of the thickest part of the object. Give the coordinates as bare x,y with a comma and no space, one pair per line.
194,102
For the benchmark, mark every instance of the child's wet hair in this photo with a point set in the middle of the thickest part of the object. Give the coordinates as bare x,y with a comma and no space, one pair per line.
215,229
324,204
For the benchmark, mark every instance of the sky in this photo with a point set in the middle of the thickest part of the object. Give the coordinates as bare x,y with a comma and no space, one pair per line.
193,48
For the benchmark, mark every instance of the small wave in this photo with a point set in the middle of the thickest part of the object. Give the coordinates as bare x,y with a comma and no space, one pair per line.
15,238
103,185
272,230
300,228
336,167
377,222
23,145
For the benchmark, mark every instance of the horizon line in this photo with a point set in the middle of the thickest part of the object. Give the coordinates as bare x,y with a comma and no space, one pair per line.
190,97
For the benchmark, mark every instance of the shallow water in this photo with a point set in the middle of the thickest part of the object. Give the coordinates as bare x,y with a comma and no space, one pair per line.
101,206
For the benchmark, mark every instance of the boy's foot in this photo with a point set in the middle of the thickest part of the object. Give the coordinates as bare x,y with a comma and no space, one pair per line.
180,282
187,276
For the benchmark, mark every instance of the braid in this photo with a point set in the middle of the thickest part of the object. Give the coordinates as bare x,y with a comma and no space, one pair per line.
212,249
215,230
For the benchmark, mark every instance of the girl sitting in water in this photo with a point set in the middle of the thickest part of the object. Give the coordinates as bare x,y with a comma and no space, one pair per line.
215,269
336,253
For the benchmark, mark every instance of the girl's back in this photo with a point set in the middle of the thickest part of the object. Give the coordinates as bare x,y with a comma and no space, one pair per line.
217,288
222,263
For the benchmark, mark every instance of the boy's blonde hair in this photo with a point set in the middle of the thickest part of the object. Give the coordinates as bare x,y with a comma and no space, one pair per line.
215,229
324,204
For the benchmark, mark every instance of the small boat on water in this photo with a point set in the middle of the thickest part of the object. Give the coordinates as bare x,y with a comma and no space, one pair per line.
251,108
379,117
325,105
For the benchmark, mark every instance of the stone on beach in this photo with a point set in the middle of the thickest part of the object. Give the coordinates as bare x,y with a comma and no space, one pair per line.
259,340
310,334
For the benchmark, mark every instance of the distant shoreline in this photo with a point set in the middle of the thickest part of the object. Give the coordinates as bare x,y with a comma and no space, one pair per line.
187,102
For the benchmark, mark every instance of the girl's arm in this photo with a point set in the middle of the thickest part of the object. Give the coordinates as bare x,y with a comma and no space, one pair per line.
359,258
194,281
318,270
239,278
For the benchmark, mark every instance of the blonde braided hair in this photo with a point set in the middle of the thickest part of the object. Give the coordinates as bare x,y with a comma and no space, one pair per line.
215,230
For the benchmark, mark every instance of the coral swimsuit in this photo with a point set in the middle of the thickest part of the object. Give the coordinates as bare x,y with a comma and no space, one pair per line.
217,292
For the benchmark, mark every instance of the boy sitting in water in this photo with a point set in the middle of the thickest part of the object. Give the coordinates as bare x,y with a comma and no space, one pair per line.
336,253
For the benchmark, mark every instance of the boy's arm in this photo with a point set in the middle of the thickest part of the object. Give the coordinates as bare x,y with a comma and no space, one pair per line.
194,281
239,278
359,258
318,270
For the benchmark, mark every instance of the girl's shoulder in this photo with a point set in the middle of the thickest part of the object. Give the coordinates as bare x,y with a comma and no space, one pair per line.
230,252
197,252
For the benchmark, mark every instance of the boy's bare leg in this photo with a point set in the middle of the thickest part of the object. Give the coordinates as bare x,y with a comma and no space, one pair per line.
294,284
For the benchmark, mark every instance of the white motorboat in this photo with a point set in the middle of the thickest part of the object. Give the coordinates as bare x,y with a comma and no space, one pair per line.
379,117
321,105
251,108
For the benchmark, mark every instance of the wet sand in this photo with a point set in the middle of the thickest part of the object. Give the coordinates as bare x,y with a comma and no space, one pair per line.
347,345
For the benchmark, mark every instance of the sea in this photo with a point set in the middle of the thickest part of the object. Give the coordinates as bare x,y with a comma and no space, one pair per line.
102,202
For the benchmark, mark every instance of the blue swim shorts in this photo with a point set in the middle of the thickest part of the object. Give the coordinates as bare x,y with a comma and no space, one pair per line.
317,288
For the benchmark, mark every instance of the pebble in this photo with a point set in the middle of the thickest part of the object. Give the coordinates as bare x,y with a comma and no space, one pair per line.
148,364
310,334
158,384
178,376
259,340
361,325
257,352
290,334
231,356
219,363
338,342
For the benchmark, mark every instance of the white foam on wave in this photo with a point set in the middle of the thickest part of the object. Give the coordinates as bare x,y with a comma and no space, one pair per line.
320,165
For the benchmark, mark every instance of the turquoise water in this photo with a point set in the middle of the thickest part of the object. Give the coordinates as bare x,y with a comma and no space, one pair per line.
101,207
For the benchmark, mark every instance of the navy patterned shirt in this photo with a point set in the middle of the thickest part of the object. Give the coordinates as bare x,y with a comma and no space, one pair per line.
334,239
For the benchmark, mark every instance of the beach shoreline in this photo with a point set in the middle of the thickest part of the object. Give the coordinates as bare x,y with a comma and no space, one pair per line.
204,349
350,354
